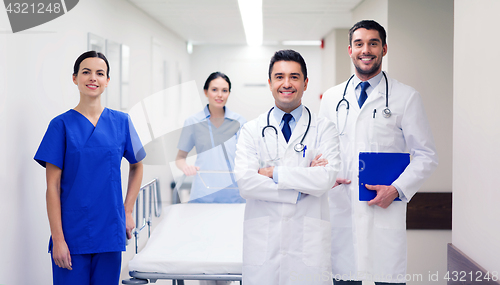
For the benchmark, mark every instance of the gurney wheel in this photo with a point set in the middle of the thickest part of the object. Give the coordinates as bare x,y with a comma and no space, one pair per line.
135,281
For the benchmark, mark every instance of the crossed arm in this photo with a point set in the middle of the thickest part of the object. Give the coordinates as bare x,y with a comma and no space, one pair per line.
317,161
254,182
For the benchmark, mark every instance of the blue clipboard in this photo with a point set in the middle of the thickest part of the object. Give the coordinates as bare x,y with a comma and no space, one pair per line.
379,168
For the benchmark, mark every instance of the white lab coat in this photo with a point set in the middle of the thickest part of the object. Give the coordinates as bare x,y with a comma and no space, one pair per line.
287,241
369,243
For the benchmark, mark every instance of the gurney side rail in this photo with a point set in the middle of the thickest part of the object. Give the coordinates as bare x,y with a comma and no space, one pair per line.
144,212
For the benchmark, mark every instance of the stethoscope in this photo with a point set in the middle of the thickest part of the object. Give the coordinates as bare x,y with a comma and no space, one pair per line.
298,147
386,112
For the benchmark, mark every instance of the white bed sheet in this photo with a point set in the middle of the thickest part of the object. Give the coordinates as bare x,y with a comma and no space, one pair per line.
195,239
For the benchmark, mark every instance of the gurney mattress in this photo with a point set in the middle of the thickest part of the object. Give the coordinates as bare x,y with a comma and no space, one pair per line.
195,239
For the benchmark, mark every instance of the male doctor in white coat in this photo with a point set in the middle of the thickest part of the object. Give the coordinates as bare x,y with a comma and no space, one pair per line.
287,228
369,238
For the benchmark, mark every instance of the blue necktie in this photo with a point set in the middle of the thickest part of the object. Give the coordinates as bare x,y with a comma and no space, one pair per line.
287,132
362,96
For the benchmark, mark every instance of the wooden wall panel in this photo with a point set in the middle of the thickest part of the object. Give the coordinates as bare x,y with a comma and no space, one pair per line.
429,211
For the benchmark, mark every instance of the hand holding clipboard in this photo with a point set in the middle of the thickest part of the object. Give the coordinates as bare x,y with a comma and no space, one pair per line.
377,171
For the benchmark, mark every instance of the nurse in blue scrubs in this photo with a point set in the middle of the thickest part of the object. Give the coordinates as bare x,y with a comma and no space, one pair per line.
213,132
82,152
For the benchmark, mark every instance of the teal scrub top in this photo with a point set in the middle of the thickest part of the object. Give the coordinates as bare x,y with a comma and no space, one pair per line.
92,211
216,150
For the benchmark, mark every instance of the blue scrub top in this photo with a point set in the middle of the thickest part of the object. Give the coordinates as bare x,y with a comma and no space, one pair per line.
93,215
216,150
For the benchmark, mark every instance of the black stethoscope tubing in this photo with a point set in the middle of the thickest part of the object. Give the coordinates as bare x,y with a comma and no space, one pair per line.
298,147
343,97
387,111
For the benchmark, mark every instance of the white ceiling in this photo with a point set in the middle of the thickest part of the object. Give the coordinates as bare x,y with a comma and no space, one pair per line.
219,21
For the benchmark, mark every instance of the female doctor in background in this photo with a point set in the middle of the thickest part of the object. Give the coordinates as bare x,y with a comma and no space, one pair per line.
82,151
214,132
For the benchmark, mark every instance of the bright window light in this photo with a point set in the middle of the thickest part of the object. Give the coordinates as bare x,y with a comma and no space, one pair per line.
251,15
301,43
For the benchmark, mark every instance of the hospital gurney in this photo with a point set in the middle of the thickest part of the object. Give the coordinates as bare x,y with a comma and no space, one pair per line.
192,242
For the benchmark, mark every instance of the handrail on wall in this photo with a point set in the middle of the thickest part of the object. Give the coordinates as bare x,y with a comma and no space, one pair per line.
144,212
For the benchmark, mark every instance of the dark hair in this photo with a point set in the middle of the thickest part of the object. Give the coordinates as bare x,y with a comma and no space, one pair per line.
86,55
288,55
369,25
216,75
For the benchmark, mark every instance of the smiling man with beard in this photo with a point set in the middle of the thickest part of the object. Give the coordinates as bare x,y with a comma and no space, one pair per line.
374,113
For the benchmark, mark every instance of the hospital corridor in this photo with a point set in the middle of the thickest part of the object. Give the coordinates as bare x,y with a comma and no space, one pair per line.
190,101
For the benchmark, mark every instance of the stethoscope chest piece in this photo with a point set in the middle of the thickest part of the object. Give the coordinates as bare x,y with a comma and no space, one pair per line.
386,113
299,147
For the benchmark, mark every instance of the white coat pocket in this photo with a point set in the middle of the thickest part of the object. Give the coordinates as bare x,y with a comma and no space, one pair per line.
340,206
382,132
255,240
391,218
304,158
316,242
